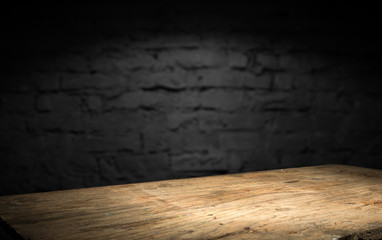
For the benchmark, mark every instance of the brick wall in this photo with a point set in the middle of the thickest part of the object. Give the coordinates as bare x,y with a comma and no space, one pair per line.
107,95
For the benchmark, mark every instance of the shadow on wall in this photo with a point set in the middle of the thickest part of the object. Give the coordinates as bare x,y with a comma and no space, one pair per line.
101,103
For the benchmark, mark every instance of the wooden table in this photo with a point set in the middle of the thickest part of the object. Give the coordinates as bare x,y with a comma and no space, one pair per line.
322,202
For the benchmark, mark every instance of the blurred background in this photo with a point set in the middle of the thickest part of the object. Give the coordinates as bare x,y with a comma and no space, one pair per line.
94,95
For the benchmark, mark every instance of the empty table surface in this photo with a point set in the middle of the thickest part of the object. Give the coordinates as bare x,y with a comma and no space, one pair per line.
320,202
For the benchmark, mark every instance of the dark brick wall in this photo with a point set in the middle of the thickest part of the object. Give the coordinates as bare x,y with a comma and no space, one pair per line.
95,95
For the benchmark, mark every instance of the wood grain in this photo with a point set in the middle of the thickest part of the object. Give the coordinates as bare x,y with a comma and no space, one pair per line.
322,202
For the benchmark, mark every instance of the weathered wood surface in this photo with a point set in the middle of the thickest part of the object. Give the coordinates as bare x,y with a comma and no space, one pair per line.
323,202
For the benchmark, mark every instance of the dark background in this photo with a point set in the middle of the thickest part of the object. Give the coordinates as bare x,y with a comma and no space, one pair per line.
95,94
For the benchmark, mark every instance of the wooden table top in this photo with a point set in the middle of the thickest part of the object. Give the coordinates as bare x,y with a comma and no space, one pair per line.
321,202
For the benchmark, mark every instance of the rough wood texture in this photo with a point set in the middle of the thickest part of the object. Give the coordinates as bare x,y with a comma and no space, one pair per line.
323,202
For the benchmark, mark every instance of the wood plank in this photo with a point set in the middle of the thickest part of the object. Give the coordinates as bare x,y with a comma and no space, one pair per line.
322,202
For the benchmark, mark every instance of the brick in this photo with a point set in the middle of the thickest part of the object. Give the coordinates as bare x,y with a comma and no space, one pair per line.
94,103
155,119
180,120
210,120
113,123
157,140
300,101
237,59
208,78
268,101
193,59
258,81
244,120
155,99
290,62
237,140
197,141
267,60
283,81
221,100
186,100
130,100
174,79
279,101
120,109
228,78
